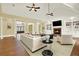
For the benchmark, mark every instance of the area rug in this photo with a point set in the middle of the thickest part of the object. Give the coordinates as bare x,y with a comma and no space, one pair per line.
57,49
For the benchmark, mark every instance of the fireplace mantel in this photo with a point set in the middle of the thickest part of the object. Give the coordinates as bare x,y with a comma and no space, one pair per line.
57,31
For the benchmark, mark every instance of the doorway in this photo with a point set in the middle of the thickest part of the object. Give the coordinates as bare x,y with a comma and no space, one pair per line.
19,29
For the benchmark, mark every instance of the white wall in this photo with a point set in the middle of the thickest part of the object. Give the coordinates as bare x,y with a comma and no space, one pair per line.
68,30
0,27
75,31
0,7
46,30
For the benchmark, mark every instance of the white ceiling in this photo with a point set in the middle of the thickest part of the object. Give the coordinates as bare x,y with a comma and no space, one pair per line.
59,10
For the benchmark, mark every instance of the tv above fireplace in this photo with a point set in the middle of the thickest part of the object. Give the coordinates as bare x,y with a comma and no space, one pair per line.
57,23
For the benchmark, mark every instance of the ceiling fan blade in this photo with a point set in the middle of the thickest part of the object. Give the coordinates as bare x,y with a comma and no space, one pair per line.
51,14
35,10
37,7
47,14
28,7
33,4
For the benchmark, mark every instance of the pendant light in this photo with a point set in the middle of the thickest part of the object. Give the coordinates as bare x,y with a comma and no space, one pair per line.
49,13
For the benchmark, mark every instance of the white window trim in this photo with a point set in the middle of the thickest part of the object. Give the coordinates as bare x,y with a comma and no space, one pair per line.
16,28
1,27
32,25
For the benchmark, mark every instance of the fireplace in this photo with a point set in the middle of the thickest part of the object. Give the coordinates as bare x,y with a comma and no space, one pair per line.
57,31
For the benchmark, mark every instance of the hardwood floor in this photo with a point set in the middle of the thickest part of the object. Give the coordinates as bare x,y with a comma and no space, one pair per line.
75,51
11,47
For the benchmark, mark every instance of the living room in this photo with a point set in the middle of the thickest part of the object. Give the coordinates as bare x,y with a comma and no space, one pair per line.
30,23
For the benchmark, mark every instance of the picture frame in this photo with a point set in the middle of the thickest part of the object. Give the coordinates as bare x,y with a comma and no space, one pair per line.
76,25
68,24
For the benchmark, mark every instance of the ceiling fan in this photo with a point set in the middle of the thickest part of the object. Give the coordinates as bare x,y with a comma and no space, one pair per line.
49,13
33,7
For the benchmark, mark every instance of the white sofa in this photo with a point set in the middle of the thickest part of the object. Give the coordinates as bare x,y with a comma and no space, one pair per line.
65,39
32,42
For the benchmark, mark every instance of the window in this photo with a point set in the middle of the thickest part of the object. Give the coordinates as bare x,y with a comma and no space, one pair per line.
20,27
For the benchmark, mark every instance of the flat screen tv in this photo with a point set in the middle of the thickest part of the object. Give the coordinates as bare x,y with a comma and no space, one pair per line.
57,23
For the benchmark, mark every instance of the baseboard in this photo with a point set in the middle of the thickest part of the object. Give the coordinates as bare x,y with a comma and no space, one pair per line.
8,36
